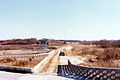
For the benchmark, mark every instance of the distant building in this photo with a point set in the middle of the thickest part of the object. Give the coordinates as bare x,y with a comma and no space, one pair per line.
44,43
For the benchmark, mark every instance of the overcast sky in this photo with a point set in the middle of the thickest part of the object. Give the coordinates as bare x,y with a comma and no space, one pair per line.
60,19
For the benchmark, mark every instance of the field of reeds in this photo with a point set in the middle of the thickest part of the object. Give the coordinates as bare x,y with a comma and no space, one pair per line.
27,62
98,57
19,47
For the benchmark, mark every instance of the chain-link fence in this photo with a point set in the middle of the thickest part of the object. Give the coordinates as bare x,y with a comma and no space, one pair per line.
88,73
25,56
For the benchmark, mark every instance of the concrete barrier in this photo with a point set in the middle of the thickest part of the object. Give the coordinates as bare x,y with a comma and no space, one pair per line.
15,69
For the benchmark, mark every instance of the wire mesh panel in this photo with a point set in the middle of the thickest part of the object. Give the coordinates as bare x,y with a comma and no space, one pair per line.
87,73
28,61
24,56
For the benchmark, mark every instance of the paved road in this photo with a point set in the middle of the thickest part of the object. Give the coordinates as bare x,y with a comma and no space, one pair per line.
49,64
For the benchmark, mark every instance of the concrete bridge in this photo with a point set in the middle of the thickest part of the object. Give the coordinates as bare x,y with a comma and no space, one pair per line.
65,67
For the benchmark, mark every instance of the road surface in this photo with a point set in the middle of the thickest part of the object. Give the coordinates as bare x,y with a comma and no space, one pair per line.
17,76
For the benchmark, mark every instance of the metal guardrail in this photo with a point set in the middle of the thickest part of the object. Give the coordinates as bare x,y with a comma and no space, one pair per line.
87,73
25,56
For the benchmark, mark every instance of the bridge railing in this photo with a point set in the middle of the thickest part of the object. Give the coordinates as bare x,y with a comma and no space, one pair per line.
25,56
18,60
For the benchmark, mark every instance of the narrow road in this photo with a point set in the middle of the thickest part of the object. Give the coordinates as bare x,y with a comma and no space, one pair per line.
50,64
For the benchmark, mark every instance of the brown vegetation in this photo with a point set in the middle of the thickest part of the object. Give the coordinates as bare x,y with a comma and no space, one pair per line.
18,47
98,57
108,44
19,41
25,44
19,44
28,62
55,43
53,47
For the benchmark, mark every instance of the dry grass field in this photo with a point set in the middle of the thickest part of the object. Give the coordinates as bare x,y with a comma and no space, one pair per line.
19,47
98,57
28,62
